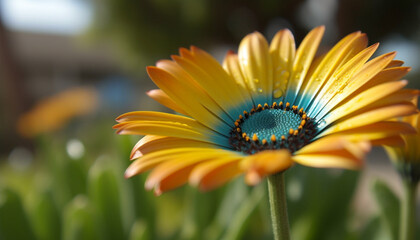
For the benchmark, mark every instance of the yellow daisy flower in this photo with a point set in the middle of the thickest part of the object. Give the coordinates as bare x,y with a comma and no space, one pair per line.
406,157
56,111
269,106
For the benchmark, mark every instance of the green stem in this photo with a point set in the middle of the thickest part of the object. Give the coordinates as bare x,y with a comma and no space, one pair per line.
408,211
278,206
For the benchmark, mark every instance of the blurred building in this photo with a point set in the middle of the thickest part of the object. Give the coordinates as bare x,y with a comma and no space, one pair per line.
39,58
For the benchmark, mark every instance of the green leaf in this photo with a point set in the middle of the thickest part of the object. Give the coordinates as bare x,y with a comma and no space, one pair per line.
140,202
45,216
241,218
78,221
200,210
389,206
14,223
139,231
235,193
76,175
374,230
104,192
323,199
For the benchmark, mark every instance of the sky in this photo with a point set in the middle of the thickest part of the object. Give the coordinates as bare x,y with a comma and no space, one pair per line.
66,17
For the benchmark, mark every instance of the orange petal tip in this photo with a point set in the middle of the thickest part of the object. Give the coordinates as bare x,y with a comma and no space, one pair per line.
252,178
230,52
149,185
135,155
157,191
129,173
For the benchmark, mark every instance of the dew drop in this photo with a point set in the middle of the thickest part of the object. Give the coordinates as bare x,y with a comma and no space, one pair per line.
256,80
260,90
284,74
298,68
277,93
322,123
277,84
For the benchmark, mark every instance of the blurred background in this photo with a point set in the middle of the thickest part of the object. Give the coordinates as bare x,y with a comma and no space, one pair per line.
69,67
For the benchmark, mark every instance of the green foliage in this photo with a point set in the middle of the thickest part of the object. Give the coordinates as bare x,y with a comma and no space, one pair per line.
388,204
104,191
78,220
324,199
45,216
14,222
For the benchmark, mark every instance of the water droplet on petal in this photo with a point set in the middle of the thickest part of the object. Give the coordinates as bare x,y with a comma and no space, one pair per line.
322,123
260,90
277,93
298,68
256,80
284,74
277,84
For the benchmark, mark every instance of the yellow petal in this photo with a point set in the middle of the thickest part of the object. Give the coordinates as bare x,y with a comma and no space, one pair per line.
414,119
197,91
401,96
153,159
160,128
329,64
336,145
326,144
152,143
194,84
372,116
135,152
340,79
378,130
395,63
393,141
157,116
327,161
348,155
304,56
369,70
282,51
174,180
364,99
185,96
394,153
142,121
232,66
161,97
219,75
218,84
214,173
256,66
181,164
386,75
265,163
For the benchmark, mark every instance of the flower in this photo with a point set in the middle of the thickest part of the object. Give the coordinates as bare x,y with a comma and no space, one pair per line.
266,108
55,111
406,157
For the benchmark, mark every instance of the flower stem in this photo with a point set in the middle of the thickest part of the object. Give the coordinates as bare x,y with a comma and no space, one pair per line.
278,206
408,211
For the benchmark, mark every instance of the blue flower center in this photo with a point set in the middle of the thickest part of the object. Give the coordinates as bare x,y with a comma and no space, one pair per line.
272,127
271,121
